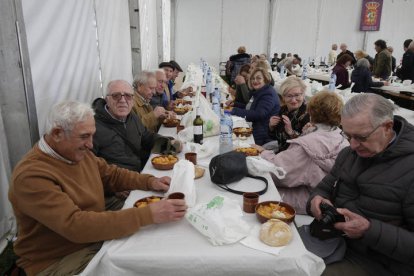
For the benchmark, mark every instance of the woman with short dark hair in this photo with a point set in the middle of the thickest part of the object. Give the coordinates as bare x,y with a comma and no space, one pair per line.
341,71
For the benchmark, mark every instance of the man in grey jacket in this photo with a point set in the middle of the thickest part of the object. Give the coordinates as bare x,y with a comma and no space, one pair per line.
372,185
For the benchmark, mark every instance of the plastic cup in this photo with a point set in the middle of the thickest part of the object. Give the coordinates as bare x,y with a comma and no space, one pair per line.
176,195
192,157
250,201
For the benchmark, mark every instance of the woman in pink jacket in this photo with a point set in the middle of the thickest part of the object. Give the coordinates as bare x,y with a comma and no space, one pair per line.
311,156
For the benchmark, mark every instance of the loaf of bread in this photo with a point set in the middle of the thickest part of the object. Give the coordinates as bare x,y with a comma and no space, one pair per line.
275,232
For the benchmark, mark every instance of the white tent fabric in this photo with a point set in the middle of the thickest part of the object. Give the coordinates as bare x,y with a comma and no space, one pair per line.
148,26
62,40
7,221
63,53
114,40
215,29
166,34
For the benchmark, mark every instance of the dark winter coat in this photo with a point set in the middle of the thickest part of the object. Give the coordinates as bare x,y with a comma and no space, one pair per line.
406,72
362,78
381,189
265,103
108,143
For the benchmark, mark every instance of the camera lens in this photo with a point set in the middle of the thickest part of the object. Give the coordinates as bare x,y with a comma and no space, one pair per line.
328,218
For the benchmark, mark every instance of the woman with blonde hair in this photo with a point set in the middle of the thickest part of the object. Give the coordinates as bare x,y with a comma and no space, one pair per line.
292,116
311,156
362,54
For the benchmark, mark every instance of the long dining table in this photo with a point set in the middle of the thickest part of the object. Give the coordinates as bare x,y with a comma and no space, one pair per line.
177,248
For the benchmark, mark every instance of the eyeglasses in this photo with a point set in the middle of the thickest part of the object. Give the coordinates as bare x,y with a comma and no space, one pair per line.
118,95
294,96
359,138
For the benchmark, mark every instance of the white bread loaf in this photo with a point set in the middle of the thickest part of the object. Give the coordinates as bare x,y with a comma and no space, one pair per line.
275,232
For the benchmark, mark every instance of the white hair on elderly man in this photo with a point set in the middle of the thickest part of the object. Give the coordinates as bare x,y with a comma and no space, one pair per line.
66,114
142,78
108,87
381,109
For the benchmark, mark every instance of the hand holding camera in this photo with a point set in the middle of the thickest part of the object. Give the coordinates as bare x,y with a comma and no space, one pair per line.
324,227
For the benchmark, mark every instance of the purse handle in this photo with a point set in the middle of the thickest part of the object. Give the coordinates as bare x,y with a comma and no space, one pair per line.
261,192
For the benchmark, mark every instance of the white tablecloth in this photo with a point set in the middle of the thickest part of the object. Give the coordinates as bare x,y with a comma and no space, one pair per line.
179,249
397,88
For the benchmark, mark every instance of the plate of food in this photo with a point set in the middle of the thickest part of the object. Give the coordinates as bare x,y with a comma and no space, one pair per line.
275,210
182,102
182,110
243,131
171,122
248,151
164,162
143,202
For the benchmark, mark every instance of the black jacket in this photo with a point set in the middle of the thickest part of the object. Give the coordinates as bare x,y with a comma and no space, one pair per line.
265,103
108,141
237,61
406,72
381,189
362,78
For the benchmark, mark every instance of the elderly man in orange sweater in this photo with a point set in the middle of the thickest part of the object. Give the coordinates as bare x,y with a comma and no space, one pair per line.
57,194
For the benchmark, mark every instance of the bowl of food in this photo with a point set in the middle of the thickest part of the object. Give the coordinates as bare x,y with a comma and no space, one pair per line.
182,110
143,202
182,102
243,131
164,162
170,122
248,151
275,210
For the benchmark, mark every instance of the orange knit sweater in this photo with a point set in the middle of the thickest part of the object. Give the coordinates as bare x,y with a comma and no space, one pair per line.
60,207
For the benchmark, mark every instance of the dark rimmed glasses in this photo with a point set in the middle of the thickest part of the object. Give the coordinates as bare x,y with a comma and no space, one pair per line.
118,95
359,138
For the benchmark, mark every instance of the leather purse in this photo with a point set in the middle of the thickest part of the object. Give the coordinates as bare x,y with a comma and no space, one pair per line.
231,167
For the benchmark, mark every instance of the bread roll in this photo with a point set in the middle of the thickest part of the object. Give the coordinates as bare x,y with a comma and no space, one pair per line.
275,232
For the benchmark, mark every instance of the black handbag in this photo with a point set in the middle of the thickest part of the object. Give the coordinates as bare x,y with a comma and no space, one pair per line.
230,167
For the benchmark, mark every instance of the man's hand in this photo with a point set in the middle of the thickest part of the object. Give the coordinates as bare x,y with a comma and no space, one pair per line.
316,201
160,184
168,210
160,112
177,145
354,226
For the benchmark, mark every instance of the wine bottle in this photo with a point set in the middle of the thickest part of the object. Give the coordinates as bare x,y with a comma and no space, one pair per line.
198,128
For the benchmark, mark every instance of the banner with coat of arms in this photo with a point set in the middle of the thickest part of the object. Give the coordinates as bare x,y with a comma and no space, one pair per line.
371,15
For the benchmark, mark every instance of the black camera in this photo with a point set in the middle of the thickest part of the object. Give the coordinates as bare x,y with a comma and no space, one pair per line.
324,229
330,215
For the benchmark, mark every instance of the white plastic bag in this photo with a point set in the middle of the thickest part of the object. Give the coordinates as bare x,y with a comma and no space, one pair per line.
220,220
259,166
182,181
211,126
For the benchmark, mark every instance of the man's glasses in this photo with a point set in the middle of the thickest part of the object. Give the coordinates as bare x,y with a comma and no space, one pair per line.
359,138
118,95
294,96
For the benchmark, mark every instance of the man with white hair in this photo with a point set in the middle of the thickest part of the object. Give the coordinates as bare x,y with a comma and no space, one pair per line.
344,50
372,185
120,137
145,84
57,194
159,98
